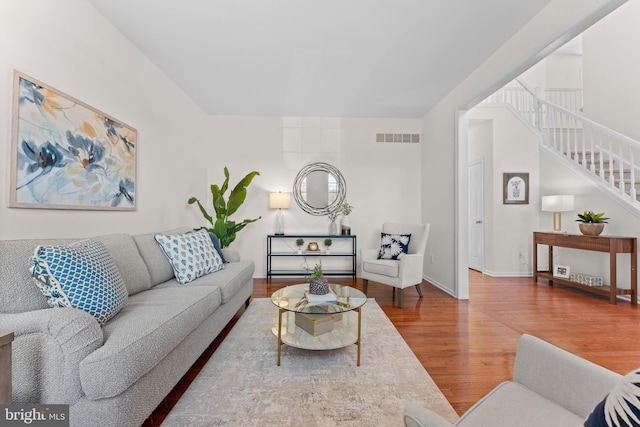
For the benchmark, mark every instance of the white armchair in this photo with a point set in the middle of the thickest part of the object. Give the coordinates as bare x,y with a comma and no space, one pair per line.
401,273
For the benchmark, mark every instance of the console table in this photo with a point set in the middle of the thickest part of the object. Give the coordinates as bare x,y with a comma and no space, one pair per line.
5,368
272,255
612,244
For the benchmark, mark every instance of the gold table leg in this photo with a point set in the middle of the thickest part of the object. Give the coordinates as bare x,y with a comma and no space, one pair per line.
359,309
279,333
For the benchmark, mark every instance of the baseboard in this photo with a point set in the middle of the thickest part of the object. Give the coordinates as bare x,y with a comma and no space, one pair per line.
439,286
508,274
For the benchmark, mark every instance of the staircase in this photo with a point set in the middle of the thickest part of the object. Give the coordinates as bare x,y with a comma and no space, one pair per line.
601,155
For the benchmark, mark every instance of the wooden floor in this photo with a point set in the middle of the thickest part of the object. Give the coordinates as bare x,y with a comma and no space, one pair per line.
468,347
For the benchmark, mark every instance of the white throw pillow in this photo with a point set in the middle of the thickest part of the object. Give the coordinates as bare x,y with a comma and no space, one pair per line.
191,254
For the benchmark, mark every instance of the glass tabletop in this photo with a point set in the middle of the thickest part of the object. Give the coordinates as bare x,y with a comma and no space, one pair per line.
296,298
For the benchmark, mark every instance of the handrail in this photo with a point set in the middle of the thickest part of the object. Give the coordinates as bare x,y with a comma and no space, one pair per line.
606,156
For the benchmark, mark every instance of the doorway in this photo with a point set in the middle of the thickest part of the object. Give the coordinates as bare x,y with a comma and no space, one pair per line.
476,215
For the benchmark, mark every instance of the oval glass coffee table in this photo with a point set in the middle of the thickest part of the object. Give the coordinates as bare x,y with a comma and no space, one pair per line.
294,300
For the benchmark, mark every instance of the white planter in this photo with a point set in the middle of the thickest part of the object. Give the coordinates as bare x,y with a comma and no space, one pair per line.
346,225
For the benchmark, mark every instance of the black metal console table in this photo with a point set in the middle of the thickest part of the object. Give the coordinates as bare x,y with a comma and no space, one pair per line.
271,254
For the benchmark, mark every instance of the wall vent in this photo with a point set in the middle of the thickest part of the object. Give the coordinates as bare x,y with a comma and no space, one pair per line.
398,138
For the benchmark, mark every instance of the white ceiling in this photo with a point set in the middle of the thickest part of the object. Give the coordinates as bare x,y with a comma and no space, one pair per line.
341,58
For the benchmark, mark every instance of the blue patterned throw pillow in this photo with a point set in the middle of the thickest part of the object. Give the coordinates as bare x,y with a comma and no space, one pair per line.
621,407
191,254
393,246
81,275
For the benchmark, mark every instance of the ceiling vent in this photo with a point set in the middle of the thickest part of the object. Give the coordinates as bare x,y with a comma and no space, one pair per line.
398,138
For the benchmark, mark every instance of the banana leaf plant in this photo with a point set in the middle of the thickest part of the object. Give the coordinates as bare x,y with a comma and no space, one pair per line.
221,225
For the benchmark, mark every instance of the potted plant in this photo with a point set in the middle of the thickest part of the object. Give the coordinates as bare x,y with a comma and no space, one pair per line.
345,210
591,223
328,243
318,285
222,226
299,243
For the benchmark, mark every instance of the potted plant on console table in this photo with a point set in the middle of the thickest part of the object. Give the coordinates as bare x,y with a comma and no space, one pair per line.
591,224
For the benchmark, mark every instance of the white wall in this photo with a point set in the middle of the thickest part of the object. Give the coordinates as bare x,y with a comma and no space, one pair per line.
611,70
508,228
443,179
182,150
67,44
383,180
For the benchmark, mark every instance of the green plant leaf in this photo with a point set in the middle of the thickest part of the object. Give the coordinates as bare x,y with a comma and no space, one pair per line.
222,227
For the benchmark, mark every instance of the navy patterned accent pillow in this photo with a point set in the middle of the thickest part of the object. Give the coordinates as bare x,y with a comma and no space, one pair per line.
216,244
82,275
621,407
191,254
393,246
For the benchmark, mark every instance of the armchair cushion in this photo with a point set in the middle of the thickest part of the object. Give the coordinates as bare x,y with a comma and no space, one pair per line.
393,246
385,267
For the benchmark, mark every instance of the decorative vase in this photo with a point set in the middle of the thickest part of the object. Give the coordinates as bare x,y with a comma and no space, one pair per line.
346,225
328,251
319,286
591,228
333,228
299,250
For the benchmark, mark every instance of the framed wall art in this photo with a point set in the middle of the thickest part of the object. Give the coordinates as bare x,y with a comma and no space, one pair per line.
515,188
66,154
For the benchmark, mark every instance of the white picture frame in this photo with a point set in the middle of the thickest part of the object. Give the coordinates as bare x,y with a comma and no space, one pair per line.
561,271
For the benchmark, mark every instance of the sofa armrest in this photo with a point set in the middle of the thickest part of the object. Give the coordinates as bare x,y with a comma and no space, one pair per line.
231,255
415,415
562,377
48,347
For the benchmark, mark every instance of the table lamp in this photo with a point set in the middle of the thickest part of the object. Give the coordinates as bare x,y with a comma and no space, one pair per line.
279,201
557,205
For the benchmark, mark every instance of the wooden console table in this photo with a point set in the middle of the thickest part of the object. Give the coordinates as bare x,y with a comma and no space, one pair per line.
612,244
5,368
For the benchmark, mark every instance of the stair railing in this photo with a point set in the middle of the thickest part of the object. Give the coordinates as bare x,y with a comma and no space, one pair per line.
607,156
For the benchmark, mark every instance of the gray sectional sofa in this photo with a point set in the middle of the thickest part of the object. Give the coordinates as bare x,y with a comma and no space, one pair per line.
115,375
551,387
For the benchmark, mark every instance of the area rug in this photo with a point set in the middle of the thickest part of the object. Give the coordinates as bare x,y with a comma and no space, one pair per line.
241,385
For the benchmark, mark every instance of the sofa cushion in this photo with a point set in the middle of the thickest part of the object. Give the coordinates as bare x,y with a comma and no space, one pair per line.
82,275
152,324
385,267
512,404
157,264
18,291
191,254
393,246
125,253
229,281
621,406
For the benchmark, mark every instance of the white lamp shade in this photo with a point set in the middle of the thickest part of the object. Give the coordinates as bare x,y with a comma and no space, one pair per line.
279,200
557,203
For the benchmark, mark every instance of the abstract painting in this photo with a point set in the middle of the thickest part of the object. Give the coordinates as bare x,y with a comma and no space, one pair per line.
68,155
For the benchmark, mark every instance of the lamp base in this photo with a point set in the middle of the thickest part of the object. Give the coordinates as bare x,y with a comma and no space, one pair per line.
279,223
557,222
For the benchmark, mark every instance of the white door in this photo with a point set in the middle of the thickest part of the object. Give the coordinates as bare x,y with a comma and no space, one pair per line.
476,215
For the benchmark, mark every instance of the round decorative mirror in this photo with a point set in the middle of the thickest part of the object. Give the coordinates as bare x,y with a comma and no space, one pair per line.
319,188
